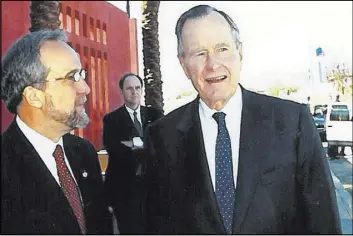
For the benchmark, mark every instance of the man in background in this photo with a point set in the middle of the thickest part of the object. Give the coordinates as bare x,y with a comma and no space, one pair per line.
233,161
123,130
51,180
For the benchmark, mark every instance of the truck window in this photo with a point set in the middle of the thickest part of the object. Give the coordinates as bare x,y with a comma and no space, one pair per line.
339,107
339,115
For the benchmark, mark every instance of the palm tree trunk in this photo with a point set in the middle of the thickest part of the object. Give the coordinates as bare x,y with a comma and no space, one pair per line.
44,15
128,8
151,55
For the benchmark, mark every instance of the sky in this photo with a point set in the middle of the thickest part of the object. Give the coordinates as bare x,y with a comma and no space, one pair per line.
279,39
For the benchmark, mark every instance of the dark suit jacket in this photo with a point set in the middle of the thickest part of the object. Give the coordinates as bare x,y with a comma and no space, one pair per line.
123,170
32,202
284,185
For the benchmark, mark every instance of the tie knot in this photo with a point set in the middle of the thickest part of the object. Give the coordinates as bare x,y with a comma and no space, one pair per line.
135,113
58,152
219,117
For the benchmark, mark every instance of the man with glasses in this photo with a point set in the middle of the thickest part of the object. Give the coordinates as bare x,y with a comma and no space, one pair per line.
50,179
233,161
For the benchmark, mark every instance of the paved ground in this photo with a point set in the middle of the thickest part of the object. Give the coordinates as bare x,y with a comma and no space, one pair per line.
342,174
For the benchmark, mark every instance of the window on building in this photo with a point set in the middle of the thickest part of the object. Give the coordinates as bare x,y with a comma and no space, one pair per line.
77,22
91,29
84,25
78,49
98,31
68,19
105,79
100,82
61,16
104,34
93,78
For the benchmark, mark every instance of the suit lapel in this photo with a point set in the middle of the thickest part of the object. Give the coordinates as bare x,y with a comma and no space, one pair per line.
200,193
254,144
126,117
144,116
75,160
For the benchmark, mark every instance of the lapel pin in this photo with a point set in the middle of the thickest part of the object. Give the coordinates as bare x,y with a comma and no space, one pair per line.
85,174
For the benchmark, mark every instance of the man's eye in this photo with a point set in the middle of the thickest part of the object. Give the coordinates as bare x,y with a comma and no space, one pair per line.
200,54
223,49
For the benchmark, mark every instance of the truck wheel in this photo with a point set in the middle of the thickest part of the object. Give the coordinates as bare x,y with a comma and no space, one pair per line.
332,151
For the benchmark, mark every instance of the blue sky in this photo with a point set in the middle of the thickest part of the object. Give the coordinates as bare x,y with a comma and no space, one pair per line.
279,39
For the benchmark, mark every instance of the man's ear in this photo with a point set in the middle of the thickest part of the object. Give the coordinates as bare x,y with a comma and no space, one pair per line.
240,50
182,63
34,97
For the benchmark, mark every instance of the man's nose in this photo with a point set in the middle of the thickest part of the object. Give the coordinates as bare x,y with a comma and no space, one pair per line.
83,87
211,62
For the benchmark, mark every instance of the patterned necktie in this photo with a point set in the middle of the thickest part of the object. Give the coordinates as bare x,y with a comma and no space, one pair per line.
225,190
138,125
69,187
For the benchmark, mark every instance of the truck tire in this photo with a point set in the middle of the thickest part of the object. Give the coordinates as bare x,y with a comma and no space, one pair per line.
332,151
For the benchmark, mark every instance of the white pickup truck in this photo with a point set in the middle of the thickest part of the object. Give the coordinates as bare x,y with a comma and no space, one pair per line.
338,124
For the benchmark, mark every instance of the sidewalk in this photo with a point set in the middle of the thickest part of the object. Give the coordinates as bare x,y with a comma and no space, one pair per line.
344,201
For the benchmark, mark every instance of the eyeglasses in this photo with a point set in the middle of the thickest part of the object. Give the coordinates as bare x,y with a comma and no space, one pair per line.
74,76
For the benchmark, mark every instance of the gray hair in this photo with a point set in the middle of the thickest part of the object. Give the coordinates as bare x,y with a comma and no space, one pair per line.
202,11
22,67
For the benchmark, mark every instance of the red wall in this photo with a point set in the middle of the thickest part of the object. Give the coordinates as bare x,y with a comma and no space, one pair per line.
105,61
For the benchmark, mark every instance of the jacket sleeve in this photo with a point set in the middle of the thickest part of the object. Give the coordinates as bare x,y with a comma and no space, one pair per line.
110,137
11,214
318,198
157,188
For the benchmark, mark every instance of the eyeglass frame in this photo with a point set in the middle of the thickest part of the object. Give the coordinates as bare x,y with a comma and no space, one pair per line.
68,76
72,76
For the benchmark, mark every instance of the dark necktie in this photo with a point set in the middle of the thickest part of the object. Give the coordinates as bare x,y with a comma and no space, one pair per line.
225,190
138,124
69,187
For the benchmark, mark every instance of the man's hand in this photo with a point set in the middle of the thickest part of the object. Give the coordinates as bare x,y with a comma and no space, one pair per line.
135,143
128,143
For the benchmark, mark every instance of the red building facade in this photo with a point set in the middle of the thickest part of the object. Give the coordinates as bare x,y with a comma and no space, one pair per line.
103,36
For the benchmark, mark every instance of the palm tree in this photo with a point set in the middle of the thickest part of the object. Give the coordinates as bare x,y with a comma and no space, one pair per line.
128,8
151,55
44,15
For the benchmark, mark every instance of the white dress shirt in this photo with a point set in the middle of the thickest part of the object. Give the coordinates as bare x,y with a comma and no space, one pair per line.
137,142
131,113
44,147
209,128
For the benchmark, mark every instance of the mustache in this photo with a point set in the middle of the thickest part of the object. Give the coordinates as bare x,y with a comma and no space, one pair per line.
80,101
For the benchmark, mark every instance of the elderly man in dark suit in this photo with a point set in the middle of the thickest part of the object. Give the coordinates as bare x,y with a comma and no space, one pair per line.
51,180
233,161
122,136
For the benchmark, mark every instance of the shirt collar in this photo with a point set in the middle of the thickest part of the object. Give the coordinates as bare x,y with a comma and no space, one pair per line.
44,146
229,109
131,111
